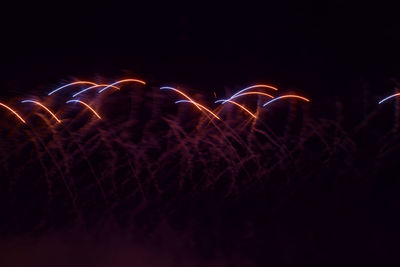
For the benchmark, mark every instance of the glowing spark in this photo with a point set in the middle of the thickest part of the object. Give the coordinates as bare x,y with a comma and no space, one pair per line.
83,103
383,100
95,86
251,87
70,84
286,96
181,93
237,104
13,111
122,81
203,107
43,106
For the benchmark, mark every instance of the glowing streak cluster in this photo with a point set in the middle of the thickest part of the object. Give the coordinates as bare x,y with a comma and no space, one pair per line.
95,85
244,92
92,86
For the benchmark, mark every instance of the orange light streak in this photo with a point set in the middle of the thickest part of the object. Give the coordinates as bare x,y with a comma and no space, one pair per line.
89,107
13,111
286,96
43,106
181,93
197,104
122,81
252,93
242,107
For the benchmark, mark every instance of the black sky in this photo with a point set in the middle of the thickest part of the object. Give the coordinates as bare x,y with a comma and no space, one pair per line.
317,46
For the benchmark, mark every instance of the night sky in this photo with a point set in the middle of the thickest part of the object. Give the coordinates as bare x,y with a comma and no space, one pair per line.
319,47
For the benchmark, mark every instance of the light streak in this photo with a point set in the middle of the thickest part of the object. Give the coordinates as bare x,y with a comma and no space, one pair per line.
70,84
13,111
251,93
181,93
286,96
122,81
43,106
391,96
94,86
83,103
197,104
237,104
251,87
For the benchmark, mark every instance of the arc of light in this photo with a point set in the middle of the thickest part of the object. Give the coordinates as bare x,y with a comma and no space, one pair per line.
251,87
86,105
94,86
43,106
386,98
188,101
70,84
251,93
13,111
181,93
237,104
122,81
286,96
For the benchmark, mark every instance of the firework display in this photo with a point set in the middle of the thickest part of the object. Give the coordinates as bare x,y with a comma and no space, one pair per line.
127,149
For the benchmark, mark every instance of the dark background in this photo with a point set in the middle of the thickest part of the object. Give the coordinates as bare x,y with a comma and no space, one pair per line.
322,48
